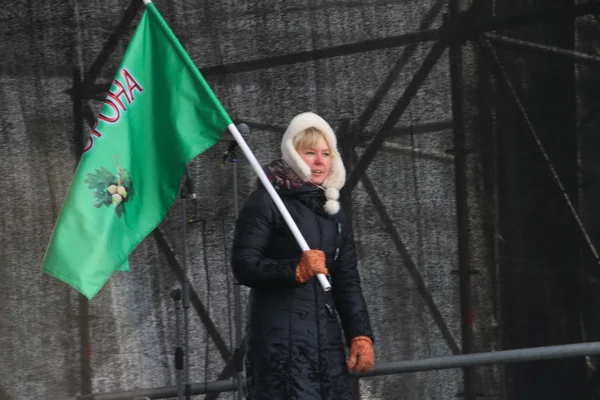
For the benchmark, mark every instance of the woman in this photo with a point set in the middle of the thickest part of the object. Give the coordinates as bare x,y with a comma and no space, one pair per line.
294,341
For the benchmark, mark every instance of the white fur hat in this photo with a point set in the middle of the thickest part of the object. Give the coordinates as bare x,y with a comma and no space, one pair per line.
337,173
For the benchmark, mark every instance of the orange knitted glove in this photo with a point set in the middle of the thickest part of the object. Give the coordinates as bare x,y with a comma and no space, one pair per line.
311,263
362,356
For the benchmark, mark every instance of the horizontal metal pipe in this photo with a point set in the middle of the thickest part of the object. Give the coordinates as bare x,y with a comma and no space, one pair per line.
497,357
416,152
164,392
399,367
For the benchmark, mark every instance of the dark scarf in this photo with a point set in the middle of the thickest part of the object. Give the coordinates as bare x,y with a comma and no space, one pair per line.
287,183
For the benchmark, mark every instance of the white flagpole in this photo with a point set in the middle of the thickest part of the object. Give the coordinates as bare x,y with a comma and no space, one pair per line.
284,212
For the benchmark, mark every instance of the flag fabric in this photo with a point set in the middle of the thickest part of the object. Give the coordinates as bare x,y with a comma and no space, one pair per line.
158,114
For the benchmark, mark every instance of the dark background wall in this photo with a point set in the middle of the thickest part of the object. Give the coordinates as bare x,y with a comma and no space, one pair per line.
422,211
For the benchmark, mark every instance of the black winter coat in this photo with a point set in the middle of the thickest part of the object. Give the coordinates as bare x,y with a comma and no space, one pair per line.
294,340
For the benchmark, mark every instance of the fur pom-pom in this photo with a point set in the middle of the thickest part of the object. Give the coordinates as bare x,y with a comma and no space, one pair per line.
332,207
332,193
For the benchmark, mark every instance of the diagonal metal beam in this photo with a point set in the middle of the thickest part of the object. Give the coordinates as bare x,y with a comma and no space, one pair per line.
410,265
408,52
451,30
227,373
112,42
498,71
194,299
88,115
576,56
414,85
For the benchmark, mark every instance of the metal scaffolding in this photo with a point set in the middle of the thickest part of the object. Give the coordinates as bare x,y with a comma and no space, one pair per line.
400,367
459,27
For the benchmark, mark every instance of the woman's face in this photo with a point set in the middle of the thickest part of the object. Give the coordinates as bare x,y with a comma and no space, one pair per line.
318,160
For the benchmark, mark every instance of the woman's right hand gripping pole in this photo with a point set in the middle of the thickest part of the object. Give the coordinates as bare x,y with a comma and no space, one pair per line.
311,263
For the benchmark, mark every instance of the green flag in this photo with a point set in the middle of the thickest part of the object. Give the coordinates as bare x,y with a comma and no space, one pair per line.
158,115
